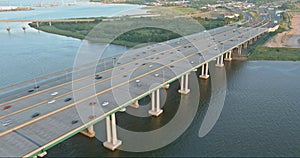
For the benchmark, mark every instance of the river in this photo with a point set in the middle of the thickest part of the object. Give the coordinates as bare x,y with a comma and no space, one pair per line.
27,55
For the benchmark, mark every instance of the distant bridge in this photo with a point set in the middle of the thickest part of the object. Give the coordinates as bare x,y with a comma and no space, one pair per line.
40,21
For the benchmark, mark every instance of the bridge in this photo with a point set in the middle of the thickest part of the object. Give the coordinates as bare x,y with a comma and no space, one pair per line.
36,117
37,22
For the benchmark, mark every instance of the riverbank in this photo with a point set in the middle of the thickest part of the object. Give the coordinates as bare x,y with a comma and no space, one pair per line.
284,54
274,46
14,8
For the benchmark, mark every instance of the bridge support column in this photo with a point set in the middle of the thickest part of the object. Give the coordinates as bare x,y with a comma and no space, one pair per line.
250,41
37,24
184,84
111,132
204,72
240,49
50,24
228,56
167,86
89,132
254,39
220,62
245,45
155,104
135,105
42,154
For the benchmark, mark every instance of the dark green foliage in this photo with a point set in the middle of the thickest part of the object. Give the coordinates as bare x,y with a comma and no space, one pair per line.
150,30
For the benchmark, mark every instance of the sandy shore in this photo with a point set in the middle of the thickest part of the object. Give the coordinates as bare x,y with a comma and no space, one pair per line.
13,8
289,39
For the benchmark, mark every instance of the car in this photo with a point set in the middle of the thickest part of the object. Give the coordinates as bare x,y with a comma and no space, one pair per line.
30,90
52,101
67,99
74,121
36,87
97,77
6,107
6,122
54,93
35,115
105,103
92,103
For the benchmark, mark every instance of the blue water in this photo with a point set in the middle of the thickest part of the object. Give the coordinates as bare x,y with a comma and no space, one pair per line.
26,55
80,10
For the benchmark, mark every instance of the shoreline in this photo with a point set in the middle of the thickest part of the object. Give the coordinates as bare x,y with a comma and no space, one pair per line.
14,8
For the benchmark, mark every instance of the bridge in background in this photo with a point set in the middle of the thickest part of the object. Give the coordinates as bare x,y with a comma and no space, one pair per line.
37,22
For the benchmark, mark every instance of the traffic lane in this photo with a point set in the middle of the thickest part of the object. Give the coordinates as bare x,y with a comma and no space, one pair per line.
15,145
30,114
43,98
52,127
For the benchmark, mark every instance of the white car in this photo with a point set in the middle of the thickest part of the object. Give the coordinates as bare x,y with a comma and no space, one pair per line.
52,101
6,122
54,93
105,103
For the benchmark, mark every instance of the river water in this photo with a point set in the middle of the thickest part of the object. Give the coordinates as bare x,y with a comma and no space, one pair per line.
260,115
27,55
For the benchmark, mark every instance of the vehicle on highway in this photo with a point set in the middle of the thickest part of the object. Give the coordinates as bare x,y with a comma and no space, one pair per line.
68,99
105,103
6,107
74,121
6,122
54,93
35,115
36,87
30,90
92,103
52,101
97,77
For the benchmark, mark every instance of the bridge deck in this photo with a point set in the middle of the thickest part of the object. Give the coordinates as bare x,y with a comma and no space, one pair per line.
118,86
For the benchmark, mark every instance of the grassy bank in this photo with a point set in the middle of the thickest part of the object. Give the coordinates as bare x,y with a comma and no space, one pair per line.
106,30
265,53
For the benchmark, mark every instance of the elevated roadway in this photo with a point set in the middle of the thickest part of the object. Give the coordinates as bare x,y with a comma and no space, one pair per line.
40,120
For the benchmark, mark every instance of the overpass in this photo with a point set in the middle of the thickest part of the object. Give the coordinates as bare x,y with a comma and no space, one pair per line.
34,121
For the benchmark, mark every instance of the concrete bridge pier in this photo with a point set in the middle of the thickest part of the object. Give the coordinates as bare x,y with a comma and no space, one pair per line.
136,104
228,56
89,132
240,49
155,104
204,72
245,45
111,132
184,84
255,38
220,62
50,23
251,41
37,24
167,86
